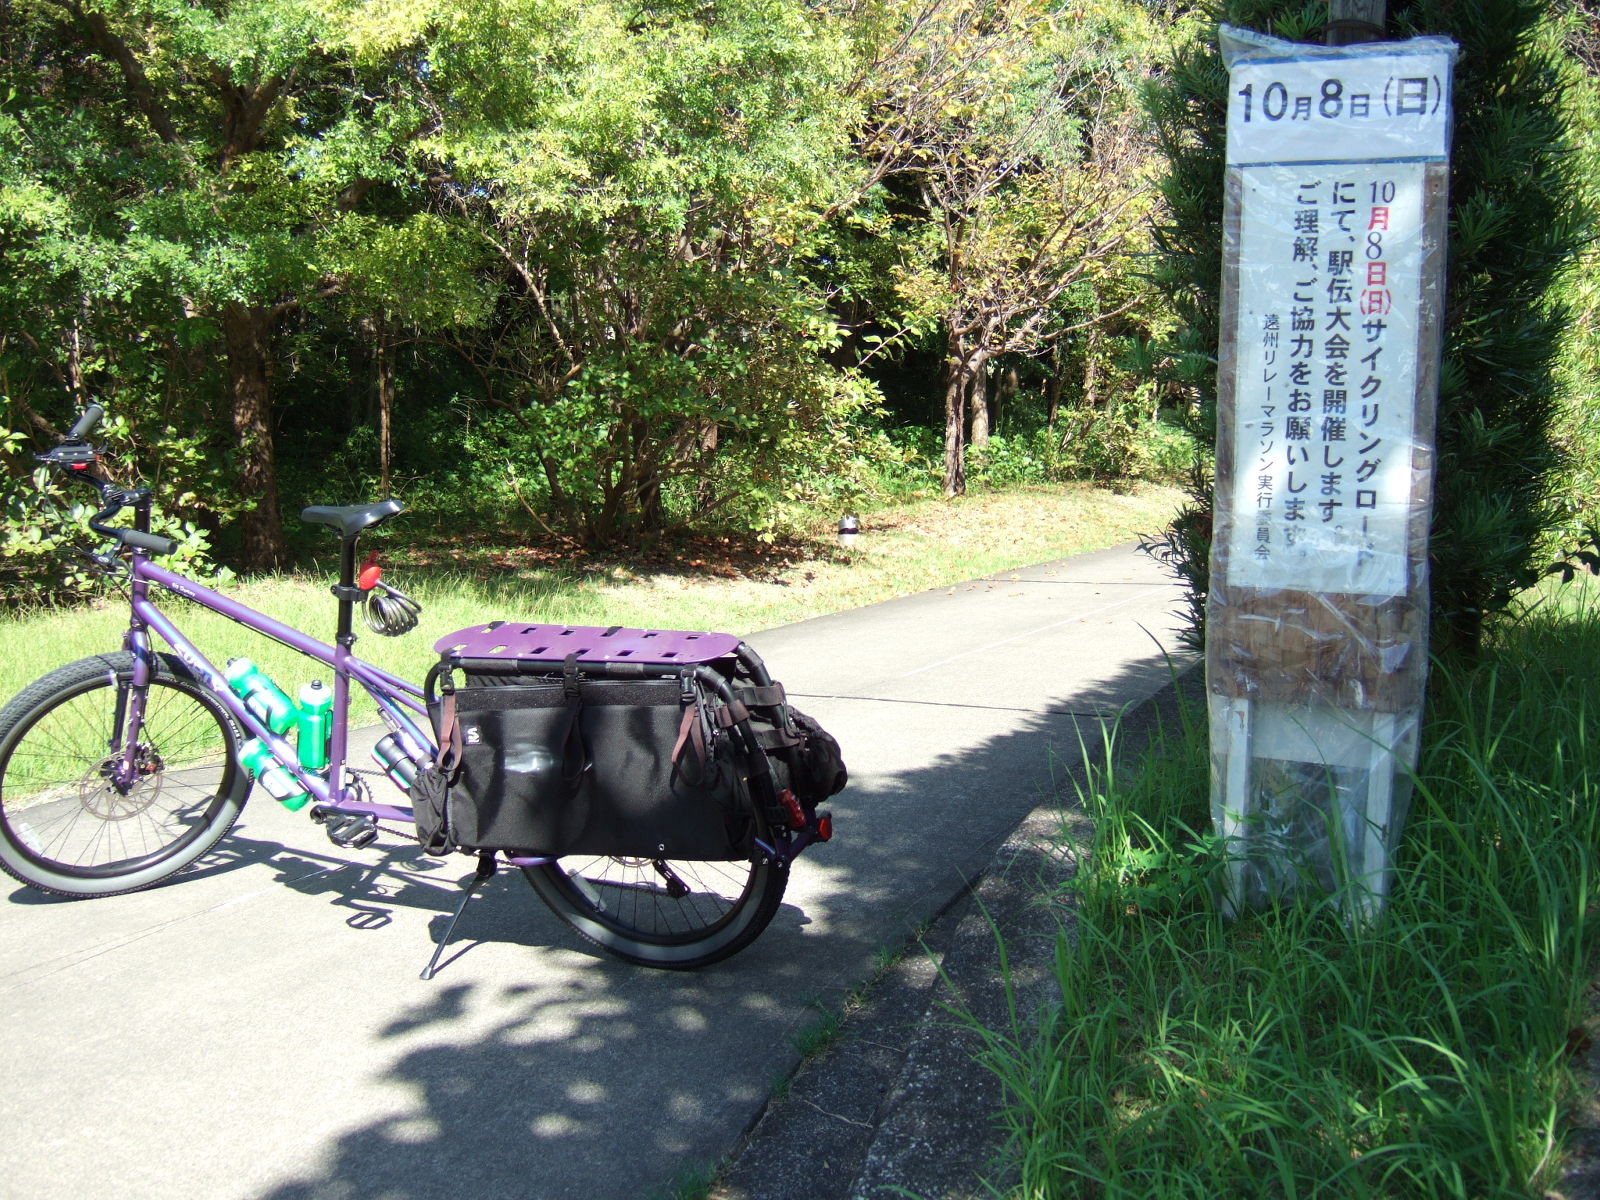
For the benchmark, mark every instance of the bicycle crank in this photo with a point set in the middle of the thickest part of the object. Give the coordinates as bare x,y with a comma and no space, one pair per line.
352,831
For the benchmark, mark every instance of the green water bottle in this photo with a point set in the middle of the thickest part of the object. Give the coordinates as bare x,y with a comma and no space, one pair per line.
261,696
313,724
277,779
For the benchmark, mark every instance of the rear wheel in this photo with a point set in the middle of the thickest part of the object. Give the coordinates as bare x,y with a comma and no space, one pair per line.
80,816
663,913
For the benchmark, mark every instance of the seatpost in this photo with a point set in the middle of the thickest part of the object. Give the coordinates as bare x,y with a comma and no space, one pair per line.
347,592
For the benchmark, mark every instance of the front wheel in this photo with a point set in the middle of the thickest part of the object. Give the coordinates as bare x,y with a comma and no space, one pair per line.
98,797
663,913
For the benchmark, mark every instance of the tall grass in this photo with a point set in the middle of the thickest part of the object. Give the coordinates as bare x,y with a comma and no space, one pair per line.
1294,1054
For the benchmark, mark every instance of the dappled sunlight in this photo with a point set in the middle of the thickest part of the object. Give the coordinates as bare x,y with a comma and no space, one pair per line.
532,1049
607,1047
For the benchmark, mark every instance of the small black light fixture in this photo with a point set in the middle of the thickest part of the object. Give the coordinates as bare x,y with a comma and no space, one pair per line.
849,530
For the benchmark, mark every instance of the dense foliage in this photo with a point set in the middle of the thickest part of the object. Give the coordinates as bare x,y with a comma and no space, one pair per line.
607,271
604,270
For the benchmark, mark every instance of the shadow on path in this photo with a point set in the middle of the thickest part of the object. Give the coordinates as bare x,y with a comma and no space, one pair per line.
604,1080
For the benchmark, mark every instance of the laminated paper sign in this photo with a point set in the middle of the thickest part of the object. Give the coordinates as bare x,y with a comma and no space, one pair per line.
1317,614
1326,399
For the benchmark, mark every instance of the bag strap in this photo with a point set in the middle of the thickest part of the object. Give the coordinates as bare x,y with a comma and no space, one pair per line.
575,758
449,730
773,738
761,697
691,732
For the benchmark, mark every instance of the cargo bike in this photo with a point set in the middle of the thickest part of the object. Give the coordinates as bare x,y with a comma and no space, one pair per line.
654,786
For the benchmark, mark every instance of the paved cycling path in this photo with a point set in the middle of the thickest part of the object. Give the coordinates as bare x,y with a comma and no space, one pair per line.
257,1027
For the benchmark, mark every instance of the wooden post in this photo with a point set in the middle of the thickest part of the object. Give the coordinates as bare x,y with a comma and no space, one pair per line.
1354,21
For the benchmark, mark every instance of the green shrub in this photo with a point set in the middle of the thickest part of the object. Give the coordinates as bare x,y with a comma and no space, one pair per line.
47,530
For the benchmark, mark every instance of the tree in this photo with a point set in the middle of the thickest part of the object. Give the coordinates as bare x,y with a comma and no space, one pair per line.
1007,122
646,183
212,169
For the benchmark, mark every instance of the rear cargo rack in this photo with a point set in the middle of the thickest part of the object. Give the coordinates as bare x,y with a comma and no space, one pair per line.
508,642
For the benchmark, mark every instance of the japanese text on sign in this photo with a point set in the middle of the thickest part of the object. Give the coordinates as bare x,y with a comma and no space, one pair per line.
1329,288
1327,110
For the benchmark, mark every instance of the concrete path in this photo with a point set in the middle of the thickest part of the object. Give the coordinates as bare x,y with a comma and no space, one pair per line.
257,1027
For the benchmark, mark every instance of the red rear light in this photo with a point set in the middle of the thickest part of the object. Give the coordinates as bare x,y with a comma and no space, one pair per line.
825,827
370,574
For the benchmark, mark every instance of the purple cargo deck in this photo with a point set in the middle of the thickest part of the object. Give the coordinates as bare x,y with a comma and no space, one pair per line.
510,641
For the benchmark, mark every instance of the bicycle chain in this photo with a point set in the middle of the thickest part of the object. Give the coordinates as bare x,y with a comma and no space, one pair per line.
358,781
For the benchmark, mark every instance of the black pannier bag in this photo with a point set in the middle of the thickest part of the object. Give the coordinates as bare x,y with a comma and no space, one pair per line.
558,740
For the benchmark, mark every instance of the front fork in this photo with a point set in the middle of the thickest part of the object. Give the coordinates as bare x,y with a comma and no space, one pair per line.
132,694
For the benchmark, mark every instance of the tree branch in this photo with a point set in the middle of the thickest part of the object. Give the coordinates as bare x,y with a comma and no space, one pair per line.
114,48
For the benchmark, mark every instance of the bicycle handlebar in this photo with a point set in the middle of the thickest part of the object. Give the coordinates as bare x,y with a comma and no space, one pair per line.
150,543
78,458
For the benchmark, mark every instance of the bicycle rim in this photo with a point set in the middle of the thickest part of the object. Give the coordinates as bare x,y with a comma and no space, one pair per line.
66,813
662,913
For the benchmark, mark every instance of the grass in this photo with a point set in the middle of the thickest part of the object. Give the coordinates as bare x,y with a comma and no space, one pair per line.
689,1183
1292,1053
704,585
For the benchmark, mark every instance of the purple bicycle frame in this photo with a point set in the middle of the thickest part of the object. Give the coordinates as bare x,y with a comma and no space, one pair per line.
392,694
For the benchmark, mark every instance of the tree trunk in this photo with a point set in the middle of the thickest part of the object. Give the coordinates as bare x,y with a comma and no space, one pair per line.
385,404
1054,385
709,434
645,476
1353,21
956,385
1092,367
247,332
978,400
80,395
1000,403
955,440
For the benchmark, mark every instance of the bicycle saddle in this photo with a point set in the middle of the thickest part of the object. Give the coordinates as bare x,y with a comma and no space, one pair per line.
351,519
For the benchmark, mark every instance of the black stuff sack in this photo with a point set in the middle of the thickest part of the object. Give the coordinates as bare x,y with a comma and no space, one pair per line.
818,771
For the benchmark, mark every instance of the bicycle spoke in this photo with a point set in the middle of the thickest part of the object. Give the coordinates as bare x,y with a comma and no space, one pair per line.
640,900
73,801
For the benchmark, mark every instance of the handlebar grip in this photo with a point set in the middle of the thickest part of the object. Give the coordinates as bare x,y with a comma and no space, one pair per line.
154,543
90,418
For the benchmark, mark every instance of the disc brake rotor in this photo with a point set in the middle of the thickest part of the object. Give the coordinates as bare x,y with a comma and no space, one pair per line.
101,794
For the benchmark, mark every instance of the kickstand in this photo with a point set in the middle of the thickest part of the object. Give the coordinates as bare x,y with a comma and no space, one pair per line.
485,870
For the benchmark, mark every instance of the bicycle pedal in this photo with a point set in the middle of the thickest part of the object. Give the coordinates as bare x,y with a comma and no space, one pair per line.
352,832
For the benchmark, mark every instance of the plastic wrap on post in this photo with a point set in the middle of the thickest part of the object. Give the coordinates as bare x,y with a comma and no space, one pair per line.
1317,616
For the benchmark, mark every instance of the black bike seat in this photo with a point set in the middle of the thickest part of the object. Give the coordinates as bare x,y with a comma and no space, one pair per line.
352,518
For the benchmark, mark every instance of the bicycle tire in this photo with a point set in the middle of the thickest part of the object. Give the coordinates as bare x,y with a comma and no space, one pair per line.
65,827
628,908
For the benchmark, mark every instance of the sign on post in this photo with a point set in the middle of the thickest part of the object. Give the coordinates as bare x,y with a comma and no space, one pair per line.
1317,616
